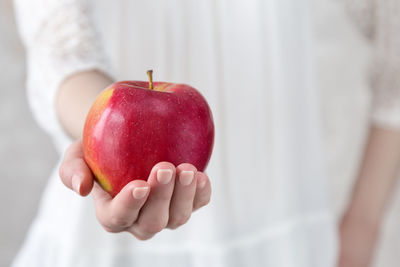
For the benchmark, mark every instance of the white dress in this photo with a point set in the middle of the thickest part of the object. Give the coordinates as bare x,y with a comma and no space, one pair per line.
253,61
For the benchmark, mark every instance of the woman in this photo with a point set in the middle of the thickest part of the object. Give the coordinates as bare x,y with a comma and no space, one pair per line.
253,61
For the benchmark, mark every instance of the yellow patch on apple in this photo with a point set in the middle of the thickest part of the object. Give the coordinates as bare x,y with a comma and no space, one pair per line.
103,181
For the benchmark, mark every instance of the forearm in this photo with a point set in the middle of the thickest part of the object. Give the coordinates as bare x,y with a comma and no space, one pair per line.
376,179
75,97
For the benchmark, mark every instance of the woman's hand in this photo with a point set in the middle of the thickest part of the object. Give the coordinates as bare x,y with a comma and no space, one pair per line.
142,208
357,241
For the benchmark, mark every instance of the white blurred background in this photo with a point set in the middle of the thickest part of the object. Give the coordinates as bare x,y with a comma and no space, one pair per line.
27,155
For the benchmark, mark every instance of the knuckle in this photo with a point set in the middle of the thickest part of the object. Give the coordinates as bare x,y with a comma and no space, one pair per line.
119,222
203,202
110,229
106,224
178,220
154,227
142,236
206,201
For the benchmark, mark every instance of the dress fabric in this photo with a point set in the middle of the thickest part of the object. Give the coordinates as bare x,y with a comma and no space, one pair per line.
253,61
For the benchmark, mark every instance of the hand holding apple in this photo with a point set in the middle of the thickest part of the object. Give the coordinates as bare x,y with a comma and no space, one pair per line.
167,199
134,125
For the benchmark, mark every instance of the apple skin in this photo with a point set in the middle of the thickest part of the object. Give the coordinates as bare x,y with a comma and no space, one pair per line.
130,128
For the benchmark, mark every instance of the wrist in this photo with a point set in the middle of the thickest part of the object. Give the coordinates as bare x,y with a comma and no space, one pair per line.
358,238
361,217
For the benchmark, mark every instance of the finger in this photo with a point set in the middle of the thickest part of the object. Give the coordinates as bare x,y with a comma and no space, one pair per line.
74,172
101,198
183,196
118,213
203,191
155,212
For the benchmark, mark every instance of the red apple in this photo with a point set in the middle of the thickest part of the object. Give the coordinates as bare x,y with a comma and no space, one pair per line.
133,125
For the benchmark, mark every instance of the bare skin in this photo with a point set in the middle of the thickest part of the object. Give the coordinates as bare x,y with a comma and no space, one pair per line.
75,97
361,222
142,208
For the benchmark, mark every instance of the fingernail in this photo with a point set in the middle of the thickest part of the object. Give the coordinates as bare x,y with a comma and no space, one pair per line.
186,177
202,184
76,183
164,176
140,192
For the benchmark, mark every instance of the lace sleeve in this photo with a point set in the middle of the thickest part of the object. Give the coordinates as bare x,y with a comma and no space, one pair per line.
386,65
379,20
59,41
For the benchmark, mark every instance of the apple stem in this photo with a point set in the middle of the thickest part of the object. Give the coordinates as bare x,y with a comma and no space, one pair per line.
150,75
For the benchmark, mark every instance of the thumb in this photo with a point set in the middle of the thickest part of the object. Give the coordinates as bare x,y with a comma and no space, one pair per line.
74,172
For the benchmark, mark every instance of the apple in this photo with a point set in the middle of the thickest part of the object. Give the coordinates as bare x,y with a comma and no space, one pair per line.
133,125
